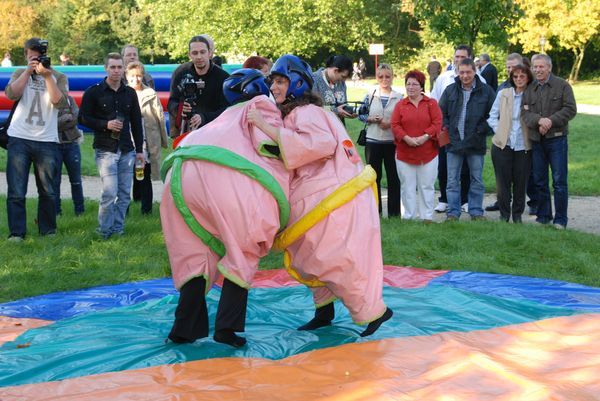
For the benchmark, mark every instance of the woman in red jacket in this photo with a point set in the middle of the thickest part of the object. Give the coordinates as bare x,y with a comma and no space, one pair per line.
416,123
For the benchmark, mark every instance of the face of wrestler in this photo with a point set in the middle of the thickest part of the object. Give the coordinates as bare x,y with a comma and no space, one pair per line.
279,88
200,56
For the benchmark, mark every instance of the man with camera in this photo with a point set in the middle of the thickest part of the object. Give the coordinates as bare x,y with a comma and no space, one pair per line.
111,109
196,96
33,138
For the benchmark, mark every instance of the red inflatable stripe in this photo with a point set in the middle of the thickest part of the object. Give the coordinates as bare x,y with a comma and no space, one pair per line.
6,104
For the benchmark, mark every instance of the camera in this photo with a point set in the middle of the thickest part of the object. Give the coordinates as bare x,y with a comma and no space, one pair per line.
356,108
42,48
190,89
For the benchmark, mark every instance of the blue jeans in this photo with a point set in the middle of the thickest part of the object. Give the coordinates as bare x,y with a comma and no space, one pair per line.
476,188
116,172
551,152
21,154
70,155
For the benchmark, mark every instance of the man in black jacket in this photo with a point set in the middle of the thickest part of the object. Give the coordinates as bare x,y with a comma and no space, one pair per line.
111,110
196,96
488,71
465,107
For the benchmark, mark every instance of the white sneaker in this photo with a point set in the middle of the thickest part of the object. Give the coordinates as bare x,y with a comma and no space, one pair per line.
441,207
465,208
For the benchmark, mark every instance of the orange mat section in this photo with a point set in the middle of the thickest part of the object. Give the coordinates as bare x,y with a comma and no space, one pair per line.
11,328
551,360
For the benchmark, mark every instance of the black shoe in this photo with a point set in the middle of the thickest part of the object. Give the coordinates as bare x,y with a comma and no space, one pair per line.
374,325
492,208
229,337
323,317
533,211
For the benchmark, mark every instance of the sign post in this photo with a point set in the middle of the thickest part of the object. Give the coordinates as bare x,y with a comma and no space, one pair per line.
376,49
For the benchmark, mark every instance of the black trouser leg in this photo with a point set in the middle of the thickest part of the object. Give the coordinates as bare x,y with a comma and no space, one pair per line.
145,190
389,160
191,315
443,174
521,172
503,169
231,313
374,158
136,188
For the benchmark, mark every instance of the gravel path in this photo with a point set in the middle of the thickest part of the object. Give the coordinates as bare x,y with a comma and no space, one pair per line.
584,211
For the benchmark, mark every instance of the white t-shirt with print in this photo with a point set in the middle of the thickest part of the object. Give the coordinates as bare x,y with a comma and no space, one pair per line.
35,118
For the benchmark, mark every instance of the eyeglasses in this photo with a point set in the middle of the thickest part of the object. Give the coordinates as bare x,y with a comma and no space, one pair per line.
520,76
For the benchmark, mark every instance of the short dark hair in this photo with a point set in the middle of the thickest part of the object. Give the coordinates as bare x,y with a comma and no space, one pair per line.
465,47
340,62
112,56
522,68
469,62
201,39
32,44
415,74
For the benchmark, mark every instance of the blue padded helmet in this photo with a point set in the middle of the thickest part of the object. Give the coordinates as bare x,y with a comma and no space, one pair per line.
297,71
244,84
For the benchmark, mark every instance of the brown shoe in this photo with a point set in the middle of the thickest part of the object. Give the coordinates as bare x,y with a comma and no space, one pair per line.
478,218
451,219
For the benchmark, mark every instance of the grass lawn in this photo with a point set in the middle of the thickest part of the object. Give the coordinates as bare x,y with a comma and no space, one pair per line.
75,258
587,92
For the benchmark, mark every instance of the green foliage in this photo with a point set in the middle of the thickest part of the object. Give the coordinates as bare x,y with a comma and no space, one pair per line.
469,20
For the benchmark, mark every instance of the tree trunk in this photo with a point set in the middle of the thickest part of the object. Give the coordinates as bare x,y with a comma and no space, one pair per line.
574,75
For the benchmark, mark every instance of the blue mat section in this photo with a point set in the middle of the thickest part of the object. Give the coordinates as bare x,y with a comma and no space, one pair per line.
543,291
133,337
60,305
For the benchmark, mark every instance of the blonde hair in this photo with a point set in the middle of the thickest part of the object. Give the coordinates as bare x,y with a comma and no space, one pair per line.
135,65
385,66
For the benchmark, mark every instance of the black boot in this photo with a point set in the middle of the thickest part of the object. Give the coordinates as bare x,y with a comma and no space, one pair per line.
231,314
191,315
374,325
323,317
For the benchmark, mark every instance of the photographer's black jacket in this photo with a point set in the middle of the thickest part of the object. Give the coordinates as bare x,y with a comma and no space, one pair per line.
100,104
210,101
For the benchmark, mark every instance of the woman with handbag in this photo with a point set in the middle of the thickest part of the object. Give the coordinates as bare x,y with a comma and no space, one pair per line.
379,147
416,123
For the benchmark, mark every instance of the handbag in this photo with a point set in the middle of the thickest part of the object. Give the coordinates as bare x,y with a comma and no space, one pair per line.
443,138
362,135
4,127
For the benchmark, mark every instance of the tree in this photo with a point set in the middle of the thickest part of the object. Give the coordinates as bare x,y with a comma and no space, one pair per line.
574,24
468,20
18,22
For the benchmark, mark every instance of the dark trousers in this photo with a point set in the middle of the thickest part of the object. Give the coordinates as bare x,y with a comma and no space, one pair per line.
191,315
231,313
551,153
377,154
512,171
465,178
22,153
142,190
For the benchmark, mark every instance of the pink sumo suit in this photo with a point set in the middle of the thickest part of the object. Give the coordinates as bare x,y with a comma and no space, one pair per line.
234,208
343,251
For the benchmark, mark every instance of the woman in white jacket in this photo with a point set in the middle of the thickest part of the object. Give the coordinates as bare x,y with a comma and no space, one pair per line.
511,148
380,148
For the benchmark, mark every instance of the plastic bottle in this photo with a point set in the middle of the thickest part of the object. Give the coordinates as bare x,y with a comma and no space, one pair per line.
139,170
